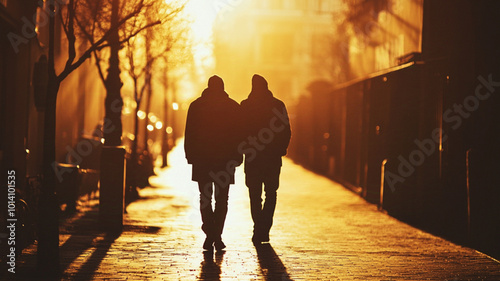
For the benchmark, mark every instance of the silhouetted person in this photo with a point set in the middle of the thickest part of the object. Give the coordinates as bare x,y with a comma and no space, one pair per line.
211,142
267,133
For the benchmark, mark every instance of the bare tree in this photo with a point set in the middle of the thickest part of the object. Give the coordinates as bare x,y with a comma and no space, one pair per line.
142,54
92,25
72,14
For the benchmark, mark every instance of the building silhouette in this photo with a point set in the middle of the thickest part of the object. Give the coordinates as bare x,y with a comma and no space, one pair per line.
415,133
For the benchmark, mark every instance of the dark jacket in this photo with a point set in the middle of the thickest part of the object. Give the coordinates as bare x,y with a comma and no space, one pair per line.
265,119
211,135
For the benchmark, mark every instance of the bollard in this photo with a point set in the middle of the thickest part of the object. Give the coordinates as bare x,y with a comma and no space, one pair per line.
112,188
67,188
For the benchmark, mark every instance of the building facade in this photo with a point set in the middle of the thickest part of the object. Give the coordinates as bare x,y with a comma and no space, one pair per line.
418,136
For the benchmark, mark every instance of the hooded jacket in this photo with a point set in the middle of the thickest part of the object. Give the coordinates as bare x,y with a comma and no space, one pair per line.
211,135
265,121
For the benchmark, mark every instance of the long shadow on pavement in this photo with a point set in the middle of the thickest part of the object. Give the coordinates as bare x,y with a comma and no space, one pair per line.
86,236
84,250
271,265
210,267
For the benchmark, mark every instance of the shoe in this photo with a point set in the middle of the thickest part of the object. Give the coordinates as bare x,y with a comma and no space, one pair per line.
219,245
208,244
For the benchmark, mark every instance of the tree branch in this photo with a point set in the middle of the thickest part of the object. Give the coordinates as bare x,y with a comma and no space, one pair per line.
94,47
63,22
71,34
131,35
142,89
99,68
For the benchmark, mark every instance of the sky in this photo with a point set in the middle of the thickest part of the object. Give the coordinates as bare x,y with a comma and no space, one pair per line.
202,14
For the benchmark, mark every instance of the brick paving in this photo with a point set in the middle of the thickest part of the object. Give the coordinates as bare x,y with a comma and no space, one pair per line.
321,232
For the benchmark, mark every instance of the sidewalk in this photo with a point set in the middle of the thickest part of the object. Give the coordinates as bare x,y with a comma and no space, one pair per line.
322,231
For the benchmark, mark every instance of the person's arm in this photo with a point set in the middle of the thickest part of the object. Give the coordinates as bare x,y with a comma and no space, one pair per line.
189,136
287,132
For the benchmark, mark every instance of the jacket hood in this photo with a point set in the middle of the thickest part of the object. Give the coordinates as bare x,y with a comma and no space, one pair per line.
259,87
216,83
215,88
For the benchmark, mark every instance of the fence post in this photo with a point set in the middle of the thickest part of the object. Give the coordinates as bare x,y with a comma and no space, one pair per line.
467,164
382,180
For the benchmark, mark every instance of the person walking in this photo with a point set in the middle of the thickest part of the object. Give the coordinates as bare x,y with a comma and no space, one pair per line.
267,128
210,144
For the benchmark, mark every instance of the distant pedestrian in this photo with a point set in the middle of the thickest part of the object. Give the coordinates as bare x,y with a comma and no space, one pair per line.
267,129
211,142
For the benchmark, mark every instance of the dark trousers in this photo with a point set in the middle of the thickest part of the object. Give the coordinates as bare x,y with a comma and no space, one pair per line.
263,212
213,219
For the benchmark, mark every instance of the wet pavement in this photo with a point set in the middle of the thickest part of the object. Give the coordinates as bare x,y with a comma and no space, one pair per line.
321,231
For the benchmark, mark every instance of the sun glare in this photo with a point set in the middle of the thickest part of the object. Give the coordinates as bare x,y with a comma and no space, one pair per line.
202,14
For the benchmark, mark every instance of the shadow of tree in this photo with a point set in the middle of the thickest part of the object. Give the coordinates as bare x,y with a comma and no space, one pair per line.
83,252
86,237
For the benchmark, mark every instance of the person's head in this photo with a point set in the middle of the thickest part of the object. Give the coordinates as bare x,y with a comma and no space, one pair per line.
215,83
259,83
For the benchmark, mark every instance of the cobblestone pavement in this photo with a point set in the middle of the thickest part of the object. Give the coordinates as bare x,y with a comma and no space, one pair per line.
321,232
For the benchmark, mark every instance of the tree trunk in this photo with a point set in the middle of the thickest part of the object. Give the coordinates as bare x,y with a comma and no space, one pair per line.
48,220
174,113
165,145
48,228
149,94
149,85
134,164
112,127
133,156
112,159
